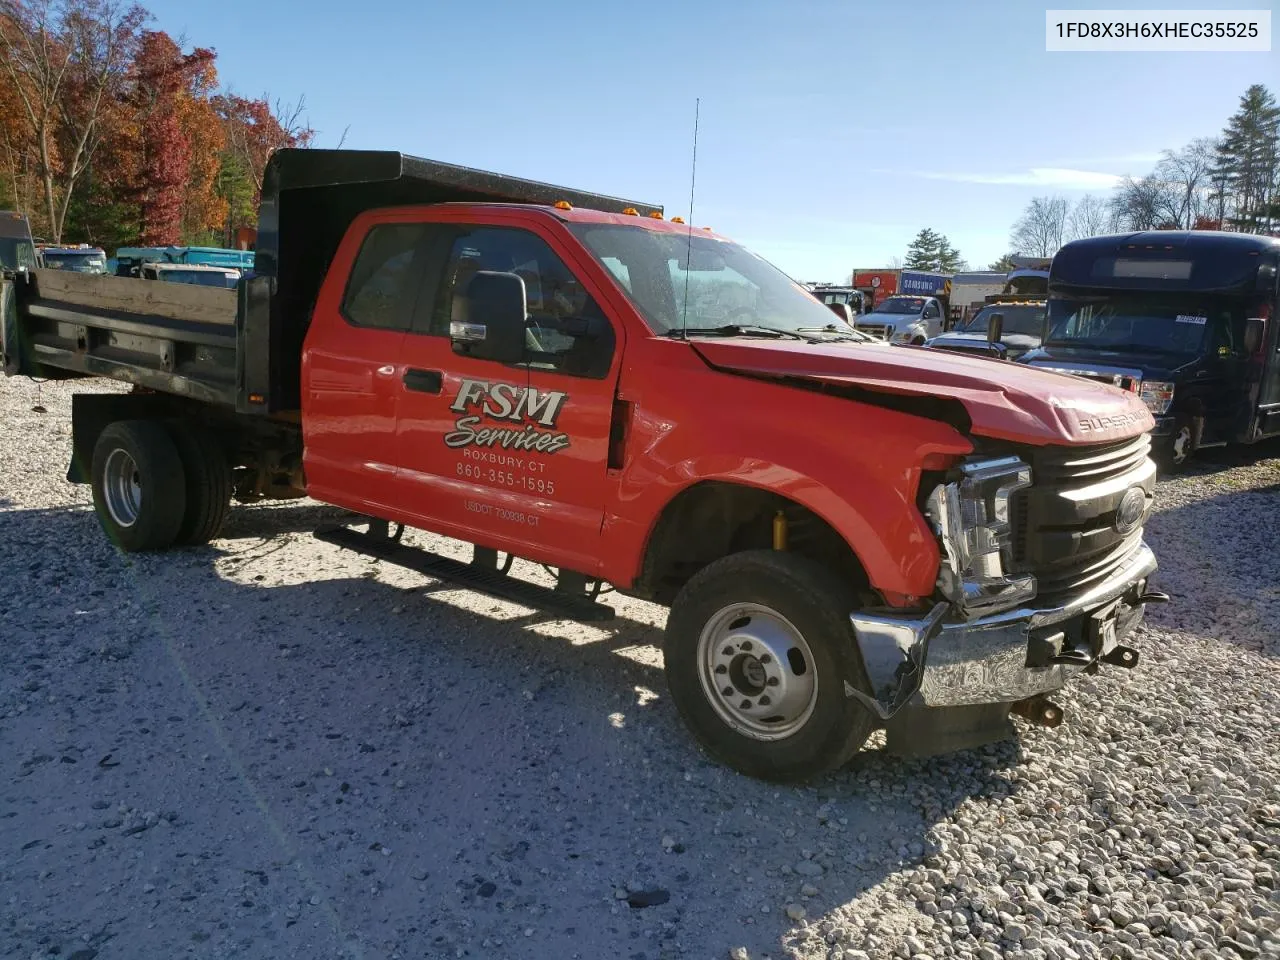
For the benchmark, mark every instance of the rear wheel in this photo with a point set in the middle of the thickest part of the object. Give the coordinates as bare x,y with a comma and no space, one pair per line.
208,484
138,485
759,661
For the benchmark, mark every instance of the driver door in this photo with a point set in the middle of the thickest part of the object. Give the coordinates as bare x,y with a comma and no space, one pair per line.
511,456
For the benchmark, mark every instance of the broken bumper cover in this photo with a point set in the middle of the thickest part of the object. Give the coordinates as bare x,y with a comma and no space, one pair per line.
1002,657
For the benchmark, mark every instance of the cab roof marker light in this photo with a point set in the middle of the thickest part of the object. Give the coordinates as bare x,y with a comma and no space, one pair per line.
655,215
631,212
677,219
563,205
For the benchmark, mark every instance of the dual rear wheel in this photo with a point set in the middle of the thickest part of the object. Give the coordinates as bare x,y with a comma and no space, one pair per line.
159,484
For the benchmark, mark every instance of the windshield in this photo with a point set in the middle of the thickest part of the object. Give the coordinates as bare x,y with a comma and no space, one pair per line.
15,254
78,262
1148,324
1027,320
203,278
727,285
900,305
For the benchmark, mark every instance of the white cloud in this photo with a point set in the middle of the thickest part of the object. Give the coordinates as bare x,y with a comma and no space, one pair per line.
1062,178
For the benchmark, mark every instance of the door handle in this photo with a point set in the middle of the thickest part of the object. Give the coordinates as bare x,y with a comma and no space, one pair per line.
424,381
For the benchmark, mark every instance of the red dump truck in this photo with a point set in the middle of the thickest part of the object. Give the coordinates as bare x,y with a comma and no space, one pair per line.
849,534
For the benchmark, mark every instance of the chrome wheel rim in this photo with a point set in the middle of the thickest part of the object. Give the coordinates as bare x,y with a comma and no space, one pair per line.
122,488
757,671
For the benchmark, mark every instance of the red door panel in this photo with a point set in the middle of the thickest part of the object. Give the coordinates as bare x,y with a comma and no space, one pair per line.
349,427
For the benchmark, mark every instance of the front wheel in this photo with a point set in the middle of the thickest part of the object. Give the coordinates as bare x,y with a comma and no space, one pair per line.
760,662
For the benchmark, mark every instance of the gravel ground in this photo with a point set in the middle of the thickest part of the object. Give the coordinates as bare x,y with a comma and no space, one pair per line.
269,748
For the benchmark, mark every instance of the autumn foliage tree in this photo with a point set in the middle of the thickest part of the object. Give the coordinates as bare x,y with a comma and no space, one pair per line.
163,84
66,60
118,135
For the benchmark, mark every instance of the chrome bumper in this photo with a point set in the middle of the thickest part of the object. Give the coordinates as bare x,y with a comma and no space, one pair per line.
944,662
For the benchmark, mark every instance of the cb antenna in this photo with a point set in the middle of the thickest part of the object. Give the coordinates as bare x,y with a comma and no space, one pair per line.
688,256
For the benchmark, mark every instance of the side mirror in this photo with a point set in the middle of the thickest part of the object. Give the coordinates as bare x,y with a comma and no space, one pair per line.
995,327
1255,329
494,323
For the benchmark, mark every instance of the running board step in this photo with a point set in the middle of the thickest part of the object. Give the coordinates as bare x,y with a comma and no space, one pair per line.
470,576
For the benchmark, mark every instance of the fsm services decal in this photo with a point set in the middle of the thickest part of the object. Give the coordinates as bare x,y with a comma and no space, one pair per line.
536,410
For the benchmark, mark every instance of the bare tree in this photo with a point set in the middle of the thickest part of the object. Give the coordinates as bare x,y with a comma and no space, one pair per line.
1187,175
1039,231
1088,218
1146,204
66,59
895,263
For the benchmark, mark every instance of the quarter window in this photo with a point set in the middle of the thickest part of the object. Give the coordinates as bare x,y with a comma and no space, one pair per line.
382,285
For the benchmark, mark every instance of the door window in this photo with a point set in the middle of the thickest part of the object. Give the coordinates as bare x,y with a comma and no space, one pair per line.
381,288
566,331
931,312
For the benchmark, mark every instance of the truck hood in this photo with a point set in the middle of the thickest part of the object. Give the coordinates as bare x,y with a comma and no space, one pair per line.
1005,401
1016,343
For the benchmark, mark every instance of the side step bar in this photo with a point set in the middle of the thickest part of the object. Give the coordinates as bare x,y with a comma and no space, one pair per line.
473,576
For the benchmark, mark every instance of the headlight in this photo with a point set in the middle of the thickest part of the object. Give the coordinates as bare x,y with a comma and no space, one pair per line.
902,337
1157,395
972,518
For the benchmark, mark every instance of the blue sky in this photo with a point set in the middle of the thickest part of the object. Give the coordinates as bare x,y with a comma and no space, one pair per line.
831,131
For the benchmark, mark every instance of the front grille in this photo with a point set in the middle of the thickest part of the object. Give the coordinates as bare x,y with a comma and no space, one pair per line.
1064,524
875,329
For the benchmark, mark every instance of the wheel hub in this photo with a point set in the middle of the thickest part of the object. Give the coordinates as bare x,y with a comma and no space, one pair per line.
757,671
122,488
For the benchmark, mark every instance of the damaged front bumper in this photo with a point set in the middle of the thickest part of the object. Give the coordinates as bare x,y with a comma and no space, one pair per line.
939,659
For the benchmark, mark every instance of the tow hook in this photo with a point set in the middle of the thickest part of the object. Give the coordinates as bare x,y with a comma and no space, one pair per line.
1126,657
1152,596
1039,710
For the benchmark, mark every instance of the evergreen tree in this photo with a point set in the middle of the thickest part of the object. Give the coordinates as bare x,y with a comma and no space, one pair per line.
1004,264
932,251
1245,164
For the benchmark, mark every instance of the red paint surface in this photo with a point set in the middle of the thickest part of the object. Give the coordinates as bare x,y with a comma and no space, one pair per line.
699,412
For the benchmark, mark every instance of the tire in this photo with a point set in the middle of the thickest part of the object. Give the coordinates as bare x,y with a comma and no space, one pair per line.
208,484
768,598
918,342
139,491
1173,453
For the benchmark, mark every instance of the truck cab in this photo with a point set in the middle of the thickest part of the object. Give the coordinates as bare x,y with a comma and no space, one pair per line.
1006,327
904,319
1185,320
17,252
81,258
835,297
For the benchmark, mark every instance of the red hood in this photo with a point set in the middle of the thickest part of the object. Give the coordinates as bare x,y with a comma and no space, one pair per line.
1005,401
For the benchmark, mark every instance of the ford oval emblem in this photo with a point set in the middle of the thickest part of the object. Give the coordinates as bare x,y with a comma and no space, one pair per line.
1129,513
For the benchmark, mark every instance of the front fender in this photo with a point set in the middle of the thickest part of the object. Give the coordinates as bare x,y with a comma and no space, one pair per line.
855,465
